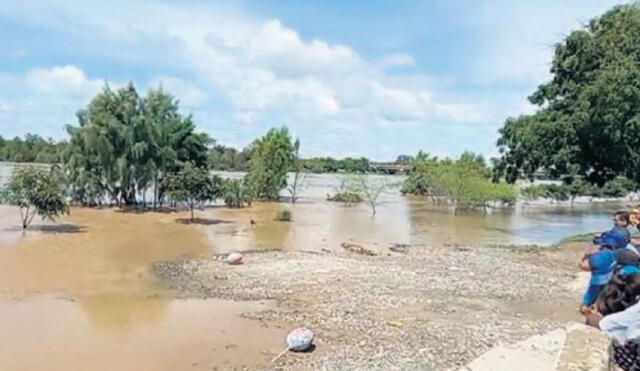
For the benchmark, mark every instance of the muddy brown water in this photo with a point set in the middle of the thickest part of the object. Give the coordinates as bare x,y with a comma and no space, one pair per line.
78,294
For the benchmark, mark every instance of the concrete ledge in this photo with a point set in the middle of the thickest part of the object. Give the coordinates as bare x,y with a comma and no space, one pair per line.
585,348
576,347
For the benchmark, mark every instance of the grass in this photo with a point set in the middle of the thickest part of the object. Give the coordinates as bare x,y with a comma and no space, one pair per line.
526,248
586,237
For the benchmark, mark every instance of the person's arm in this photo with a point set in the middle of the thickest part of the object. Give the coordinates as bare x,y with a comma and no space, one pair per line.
617,325
584,264
593,318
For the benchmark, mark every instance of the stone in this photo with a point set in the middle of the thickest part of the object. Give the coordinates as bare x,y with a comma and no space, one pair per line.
235,258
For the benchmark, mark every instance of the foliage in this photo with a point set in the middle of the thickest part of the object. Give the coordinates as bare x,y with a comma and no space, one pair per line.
236,193
284,215
572,187
272,156
589,112
35,191
348,198
32,148
194,186
228,159
330,165
124,144
464,182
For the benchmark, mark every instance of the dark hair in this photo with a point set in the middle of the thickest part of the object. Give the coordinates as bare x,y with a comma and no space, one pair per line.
623,215
619,294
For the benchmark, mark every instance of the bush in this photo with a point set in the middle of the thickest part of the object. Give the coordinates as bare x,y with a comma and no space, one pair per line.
35,191
284,215
346,197
236,193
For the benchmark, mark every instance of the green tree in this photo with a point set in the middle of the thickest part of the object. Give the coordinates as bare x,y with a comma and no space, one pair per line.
236,193
464,183
272,156
193,186
125,144
589,112
35,191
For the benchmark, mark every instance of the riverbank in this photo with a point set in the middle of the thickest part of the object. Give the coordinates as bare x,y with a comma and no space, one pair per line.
101,282
423,309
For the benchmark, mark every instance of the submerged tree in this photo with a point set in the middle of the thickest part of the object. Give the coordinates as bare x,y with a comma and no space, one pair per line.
193,186
236,193
370,189
299,177
124,144
35,191
272,157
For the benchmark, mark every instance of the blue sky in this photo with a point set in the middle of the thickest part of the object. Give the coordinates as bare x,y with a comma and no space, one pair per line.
362,77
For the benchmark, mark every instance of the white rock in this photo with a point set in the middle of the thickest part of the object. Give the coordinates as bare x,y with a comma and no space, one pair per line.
235,258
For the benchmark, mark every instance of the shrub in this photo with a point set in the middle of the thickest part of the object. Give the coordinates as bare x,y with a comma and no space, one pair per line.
35,191
346,197
236,193
284,215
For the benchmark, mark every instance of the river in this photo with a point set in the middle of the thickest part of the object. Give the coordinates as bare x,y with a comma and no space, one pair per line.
78,294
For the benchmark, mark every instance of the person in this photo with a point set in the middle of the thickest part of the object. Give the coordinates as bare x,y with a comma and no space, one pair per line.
617,314
601,263
621,223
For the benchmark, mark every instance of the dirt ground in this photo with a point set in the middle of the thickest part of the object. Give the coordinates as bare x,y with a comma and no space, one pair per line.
423,309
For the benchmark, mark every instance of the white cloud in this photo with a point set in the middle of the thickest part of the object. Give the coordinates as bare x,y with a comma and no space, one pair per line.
260,67
396,60
63,80
240,73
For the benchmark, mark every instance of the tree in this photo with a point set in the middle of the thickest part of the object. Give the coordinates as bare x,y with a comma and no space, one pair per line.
35,191
125,144
272,156
236,193
299,176
193,186
588,119
371,188
463,183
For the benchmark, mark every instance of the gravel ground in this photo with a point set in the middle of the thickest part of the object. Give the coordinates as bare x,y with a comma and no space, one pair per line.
423,310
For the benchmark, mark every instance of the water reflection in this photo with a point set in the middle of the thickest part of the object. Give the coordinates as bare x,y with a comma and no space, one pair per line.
118,313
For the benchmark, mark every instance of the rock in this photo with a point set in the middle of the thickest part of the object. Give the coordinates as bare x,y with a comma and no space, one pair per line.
235,258
400,248
300,339
358,249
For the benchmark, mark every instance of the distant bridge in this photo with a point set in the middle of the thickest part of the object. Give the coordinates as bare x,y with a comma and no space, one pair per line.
390,168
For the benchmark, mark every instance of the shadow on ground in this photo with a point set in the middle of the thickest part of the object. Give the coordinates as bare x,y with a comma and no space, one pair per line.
202,221
53,228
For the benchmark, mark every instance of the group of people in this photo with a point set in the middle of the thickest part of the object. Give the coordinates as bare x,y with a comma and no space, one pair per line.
611,301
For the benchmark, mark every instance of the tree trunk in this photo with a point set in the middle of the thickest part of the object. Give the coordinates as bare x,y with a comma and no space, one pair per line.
155,189
191,207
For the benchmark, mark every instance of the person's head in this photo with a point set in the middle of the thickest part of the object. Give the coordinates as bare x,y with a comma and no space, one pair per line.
619,294
612,241
621,219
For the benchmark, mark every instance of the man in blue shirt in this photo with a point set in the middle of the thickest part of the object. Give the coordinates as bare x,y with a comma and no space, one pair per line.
601,263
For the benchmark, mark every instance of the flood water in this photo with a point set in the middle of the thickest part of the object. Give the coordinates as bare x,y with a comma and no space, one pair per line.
78,294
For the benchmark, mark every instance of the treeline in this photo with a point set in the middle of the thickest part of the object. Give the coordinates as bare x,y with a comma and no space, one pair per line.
33,148
464,183
569,190
230,159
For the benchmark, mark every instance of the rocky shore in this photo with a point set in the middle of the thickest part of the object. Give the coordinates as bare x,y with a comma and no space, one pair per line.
401,309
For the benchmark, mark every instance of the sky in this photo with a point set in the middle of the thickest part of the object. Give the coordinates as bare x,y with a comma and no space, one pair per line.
349,78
